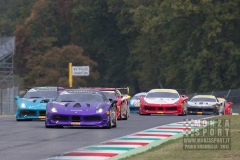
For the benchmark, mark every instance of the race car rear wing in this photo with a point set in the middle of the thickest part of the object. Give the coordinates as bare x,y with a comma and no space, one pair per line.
124,89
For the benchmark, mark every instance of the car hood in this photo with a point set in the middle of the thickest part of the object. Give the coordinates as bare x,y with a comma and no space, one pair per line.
201,103
161,100
35,103
133,101
79,106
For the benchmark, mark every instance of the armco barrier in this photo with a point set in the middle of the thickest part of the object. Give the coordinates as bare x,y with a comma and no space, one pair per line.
7,102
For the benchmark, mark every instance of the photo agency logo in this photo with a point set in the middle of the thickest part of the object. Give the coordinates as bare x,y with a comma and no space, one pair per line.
207,134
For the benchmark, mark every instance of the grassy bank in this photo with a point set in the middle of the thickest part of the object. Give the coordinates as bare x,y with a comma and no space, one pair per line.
173,150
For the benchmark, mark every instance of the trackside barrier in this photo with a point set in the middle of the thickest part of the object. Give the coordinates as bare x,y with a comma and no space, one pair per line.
7,103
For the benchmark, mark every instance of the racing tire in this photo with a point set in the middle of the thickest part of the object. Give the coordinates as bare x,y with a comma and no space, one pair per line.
184,113
115,114
129,111
127,114
121,110
48,126
109,126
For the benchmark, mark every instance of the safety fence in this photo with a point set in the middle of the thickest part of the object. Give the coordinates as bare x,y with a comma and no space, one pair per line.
7,102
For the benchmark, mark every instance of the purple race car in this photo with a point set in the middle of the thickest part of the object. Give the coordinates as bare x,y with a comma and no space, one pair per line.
81,107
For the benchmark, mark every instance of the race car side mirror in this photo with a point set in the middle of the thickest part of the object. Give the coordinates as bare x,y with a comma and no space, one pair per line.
184,97
16,97
112,100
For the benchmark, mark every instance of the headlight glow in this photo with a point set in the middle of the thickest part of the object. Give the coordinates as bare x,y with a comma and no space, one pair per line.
53,109
23,105
99,110
215,106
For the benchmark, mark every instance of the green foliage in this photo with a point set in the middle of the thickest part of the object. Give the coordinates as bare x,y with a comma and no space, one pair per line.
13,12
51,68
144,44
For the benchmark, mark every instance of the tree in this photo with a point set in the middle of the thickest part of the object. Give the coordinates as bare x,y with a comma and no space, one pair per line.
52,68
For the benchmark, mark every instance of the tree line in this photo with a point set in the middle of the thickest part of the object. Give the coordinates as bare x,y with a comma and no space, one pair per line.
143,44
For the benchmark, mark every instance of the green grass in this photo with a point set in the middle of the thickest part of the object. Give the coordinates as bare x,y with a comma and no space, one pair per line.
173,150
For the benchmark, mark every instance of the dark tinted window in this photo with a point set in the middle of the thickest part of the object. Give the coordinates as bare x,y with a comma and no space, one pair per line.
162,95
80,97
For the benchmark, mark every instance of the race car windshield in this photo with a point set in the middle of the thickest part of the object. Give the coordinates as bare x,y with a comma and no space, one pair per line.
162,95
136,97
109,95
80,97
203,100
41,94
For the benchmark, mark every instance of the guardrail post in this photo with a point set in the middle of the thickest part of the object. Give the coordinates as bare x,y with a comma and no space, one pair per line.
1,100
228,92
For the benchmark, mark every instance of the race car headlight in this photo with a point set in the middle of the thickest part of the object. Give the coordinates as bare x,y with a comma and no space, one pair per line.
180,104
23,105
214,106
53,109
100,110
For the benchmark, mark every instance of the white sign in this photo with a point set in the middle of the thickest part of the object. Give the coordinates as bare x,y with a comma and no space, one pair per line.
80,70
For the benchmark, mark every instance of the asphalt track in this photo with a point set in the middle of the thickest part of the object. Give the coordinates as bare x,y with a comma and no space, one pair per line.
30,140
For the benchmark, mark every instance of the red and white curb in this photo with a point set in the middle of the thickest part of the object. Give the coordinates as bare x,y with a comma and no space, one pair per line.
113,148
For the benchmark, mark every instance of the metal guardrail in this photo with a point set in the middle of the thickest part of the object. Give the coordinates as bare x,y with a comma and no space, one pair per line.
7,102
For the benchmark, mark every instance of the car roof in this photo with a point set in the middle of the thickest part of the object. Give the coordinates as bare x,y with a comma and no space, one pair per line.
65,91
164,90
46,88
141,93
204,96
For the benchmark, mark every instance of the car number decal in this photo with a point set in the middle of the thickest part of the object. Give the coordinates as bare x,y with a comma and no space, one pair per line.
75,123
42,117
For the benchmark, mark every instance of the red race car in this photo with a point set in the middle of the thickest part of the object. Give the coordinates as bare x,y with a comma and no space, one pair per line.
163,101
123,110
227,106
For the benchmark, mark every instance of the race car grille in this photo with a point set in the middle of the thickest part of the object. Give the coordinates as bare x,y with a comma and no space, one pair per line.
135,109
60,118
161,108
28,113
42,113
201,109
171,108
76,119
92,118
150,108
77,105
